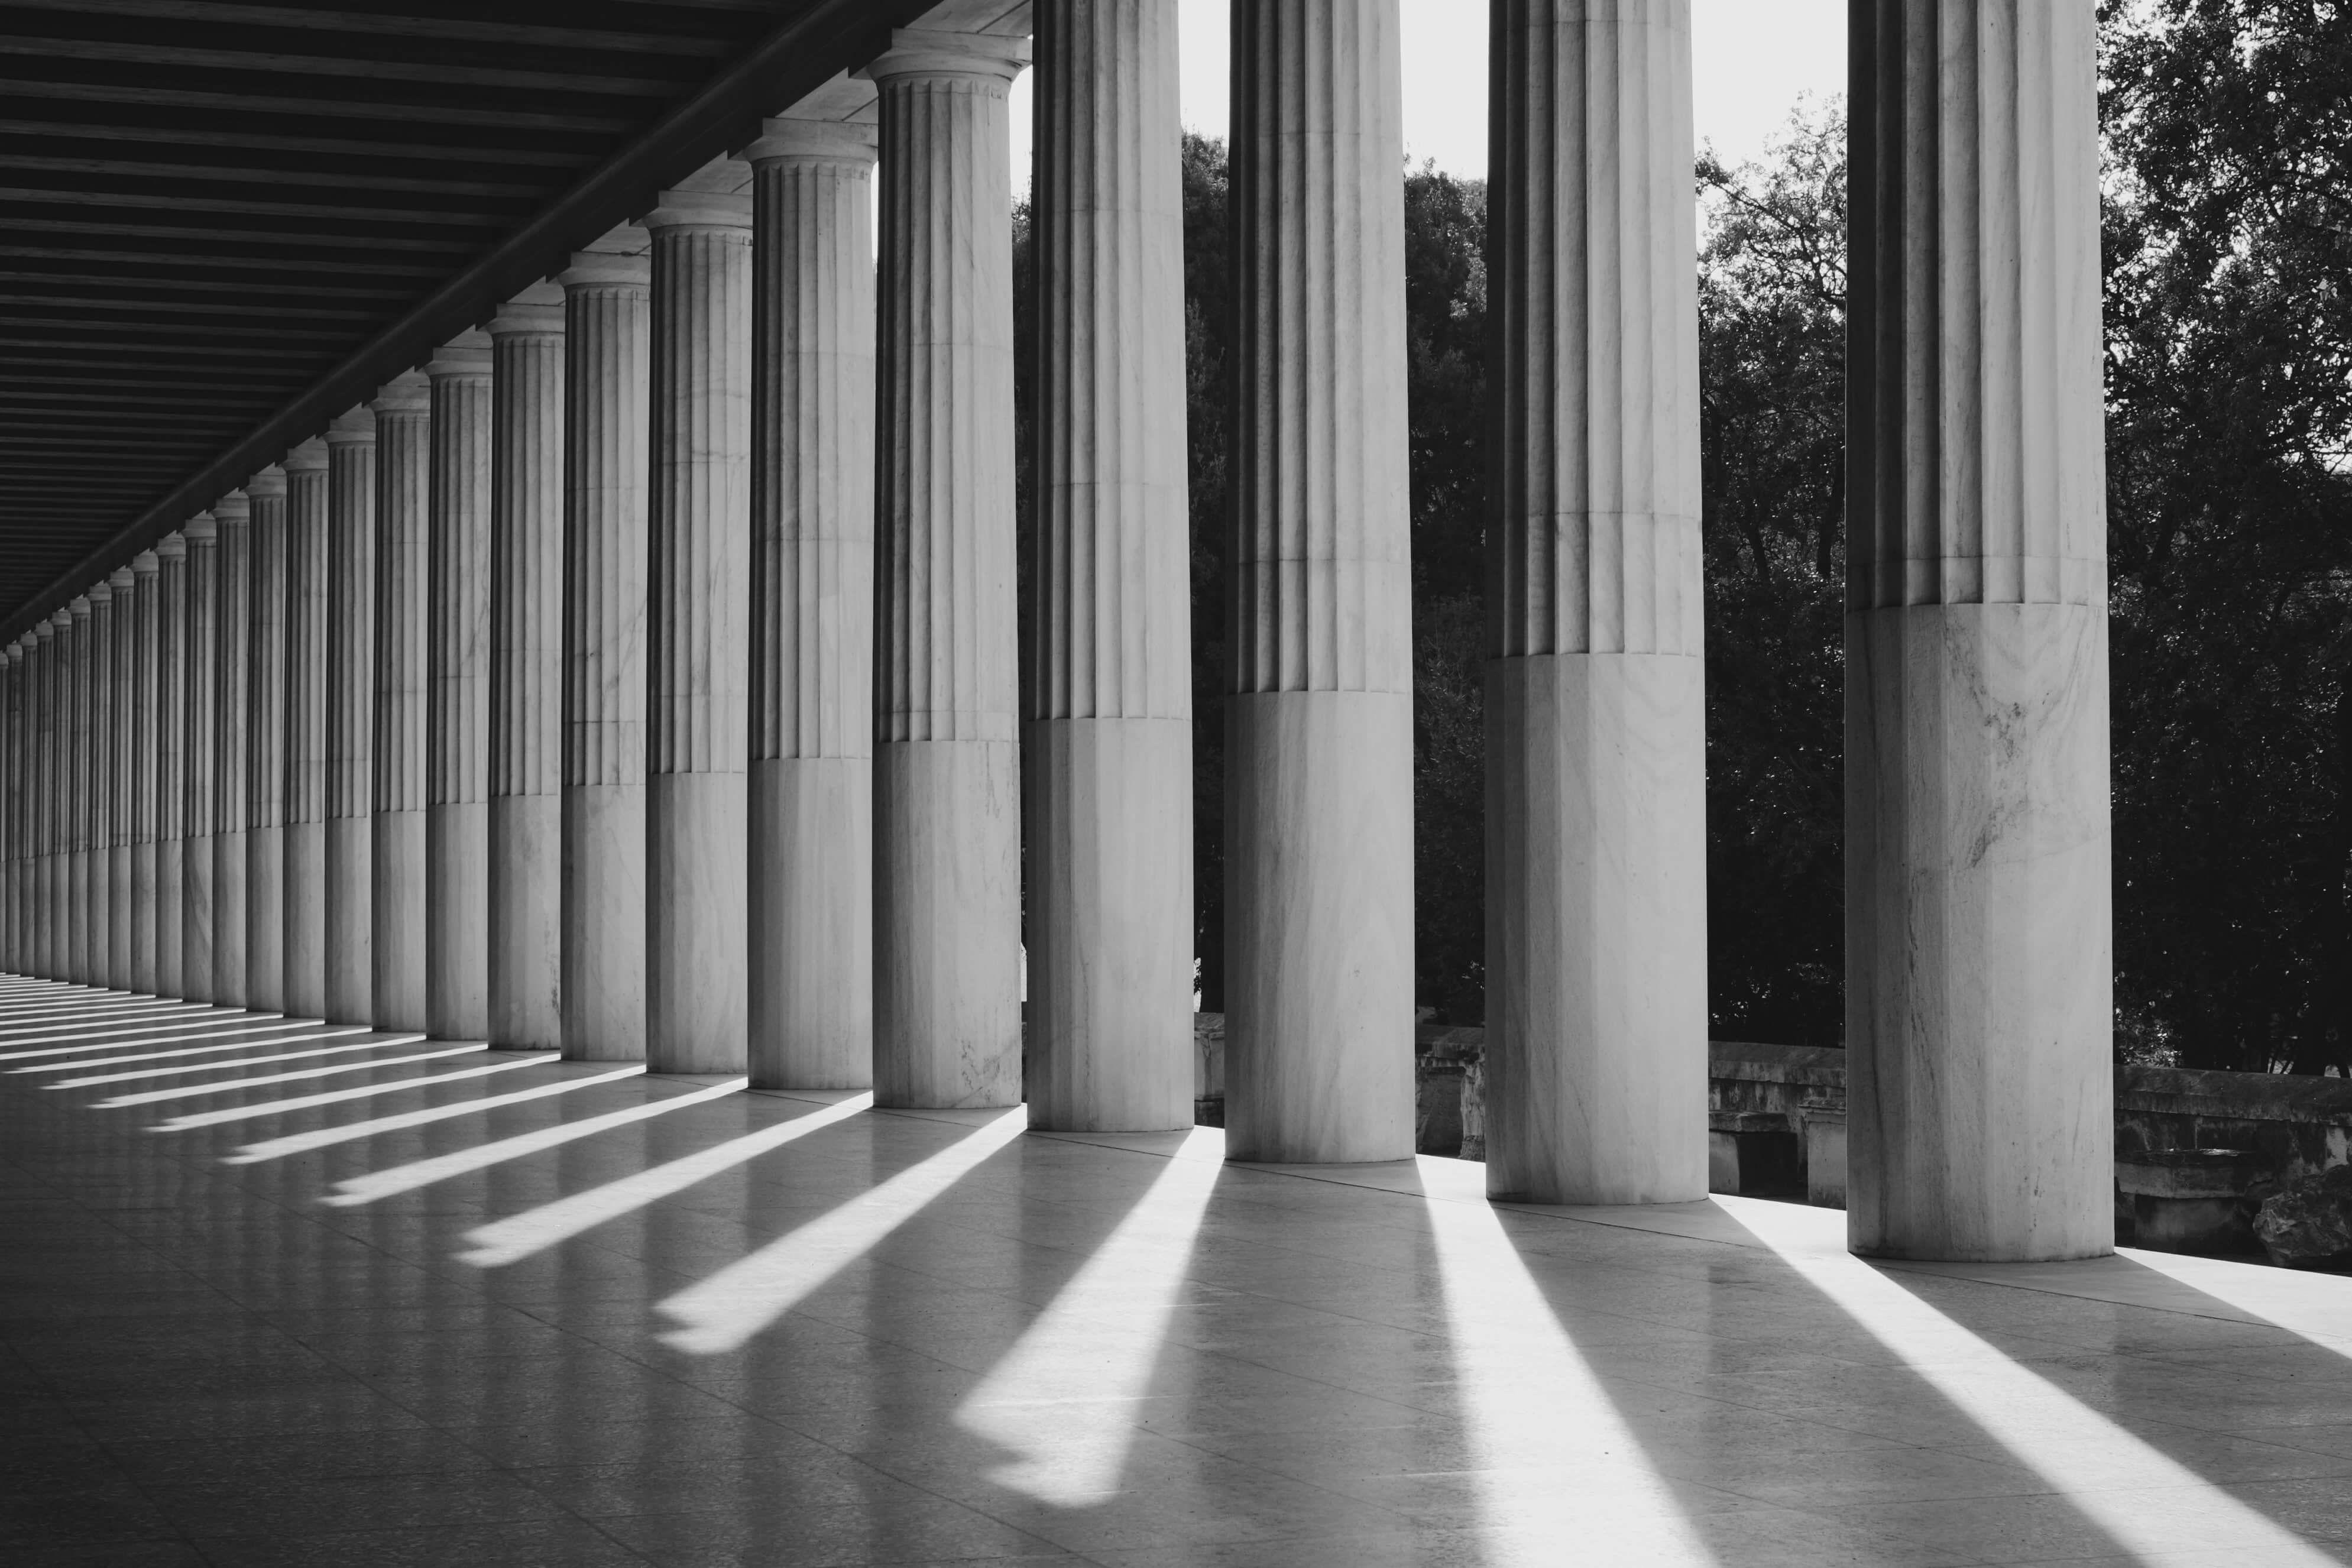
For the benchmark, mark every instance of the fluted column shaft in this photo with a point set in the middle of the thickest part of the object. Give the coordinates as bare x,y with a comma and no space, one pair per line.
232,704
98,805
526,739
697,606
50,945
457,706
607,319
403,473
12,775
1318,815
1979,926
170,812
265,743
202,786
812,876
947,851
140,764
1596,717
349,708
1108,752
120,766
308,533
76,643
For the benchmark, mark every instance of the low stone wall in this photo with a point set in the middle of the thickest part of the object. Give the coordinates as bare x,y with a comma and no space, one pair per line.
2195,1152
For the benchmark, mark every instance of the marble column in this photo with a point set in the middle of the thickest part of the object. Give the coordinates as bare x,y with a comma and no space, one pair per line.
120,766
525,737
1107,744
1318,794
265,745
607,317
98,802
75,839
698,604
233,513
12,809
201,714
947,829
349,706
403,471
1596,714
1979,926
458,692
308,531
141,765
48,929
170,813
812,781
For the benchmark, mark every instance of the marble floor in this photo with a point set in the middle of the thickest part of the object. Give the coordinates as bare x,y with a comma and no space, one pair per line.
272,1293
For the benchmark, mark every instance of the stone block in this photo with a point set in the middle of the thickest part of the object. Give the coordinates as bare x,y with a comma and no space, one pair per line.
2308,1224
1824,1155
1754,1152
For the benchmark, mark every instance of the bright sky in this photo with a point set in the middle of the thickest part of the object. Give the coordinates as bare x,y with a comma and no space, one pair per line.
1751,59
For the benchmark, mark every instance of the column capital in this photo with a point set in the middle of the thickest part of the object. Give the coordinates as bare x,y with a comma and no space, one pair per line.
172,546
466,354
536,312
923,52
146,563
604,269
48,626
64,619
718,196
408,393
786,139
308,457
121,580
353,426
201,529
100,593
234,510
267,484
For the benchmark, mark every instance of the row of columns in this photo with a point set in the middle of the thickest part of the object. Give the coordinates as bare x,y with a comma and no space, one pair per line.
638,677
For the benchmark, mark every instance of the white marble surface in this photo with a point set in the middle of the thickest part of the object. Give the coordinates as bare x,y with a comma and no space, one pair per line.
348,928
404,486
265,747
1107,765
168,805
232,697
457,693
1978,921
73,840
607,320
201,716
946,827
811,925
304,902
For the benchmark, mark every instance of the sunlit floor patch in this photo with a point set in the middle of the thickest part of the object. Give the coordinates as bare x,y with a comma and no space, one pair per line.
1064,1397
418,1173
2149,1504
722,1312
232,1085
2316,1306
320,1138
196,1025
511,1239
17,1019
242,1038
218,1064
335,1097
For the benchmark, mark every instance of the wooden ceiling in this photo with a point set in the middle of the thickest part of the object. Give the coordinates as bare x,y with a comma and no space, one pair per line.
222,223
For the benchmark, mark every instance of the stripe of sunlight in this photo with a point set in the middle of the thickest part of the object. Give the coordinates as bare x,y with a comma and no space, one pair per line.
518,1236
230,1085
272,1056
302,1143
2149,1504
52,1013
723,1312
112,1023
164,1034
2316,1306
406,1178
1553,1457
283,1035
1064,1398
195,1119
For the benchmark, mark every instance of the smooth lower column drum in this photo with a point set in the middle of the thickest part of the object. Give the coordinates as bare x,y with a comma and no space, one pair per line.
403,467
12,809
231,707
525,842
697,604
1595,699
100,716
308,666
349,711
75,840
171,718
58,789
457,697
812,783
607,322
1318,801
200,713
1107,752
947,832
1979,926
265,743
146,744
123,764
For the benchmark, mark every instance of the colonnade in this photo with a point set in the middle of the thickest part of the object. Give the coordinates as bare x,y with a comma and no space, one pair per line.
639,676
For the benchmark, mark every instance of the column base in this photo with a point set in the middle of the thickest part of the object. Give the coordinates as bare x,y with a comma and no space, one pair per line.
304,974
396,901
526,894
457,920
228,919
196,918
603,991
118,919
350,933
143,897
265,919
811,990
171,916
697,1001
